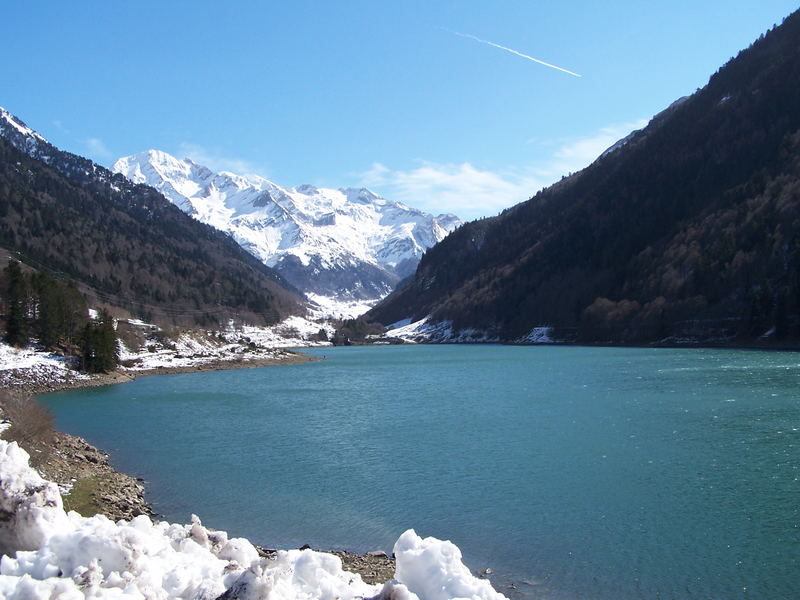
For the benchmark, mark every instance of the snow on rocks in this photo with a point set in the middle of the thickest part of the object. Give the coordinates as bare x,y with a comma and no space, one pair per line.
144,347
25,358
23,367
537,335
51,554
426,332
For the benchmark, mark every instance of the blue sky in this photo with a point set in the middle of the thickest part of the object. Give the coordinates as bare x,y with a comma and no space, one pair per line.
386,95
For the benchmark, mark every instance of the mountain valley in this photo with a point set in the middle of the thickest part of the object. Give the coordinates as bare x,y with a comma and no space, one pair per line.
347,244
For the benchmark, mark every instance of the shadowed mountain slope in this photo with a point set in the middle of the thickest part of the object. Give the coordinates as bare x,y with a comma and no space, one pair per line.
126,242
688,229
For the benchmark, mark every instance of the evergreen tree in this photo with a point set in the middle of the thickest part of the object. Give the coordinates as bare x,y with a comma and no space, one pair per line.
99,345
72,313
46,322
17,297
58,311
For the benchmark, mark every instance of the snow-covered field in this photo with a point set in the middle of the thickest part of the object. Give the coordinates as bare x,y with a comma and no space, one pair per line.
292,332
51,554
326,307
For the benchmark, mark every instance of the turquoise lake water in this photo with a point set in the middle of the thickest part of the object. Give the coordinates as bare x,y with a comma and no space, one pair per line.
606,473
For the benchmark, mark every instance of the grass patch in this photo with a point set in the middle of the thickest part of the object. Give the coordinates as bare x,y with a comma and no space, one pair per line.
81,497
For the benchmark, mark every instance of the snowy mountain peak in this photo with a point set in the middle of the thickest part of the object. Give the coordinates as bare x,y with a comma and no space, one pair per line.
347,243
18,133
10,120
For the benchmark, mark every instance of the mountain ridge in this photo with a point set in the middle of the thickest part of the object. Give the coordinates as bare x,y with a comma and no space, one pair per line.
348,243
686,231
126,241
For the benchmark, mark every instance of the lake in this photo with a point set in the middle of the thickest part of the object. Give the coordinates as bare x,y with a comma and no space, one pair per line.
600,473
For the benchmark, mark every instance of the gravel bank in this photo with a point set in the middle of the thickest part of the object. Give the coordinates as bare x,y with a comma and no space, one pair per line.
89,484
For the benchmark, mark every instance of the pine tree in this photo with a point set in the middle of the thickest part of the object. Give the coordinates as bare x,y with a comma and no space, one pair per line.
72,313
99,345
46,325
17,296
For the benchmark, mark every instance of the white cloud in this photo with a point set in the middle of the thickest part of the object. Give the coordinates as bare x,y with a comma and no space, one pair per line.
470,192
98,151
576,154
457,188
217,160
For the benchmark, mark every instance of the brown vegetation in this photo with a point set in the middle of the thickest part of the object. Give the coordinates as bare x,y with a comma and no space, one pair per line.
31,425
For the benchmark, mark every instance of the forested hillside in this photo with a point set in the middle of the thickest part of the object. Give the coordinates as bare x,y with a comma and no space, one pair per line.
690,230
127,243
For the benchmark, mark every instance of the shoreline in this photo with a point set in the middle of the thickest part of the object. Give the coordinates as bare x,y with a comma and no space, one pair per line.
291,357
17,381
89,482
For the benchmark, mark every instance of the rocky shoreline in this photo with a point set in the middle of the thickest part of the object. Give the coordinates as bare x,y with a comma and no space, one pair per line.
90,485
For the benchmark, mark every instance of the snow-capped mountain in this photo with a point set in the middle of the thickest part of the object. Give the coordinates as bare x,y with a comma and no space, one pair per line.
344,243
20,135
129,244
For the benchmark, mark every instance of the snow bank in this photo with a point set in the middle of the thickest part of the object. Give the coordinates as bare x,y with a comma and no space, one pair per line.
433,569
31,507
51,554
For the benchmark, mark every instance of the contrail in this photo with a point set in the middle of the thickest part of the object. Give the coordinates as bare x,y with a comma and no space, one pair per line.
488,43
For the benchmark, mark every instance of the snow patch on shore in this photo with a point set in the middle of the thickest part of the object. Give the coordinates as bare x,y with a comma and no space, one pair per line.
51,554
23,366
144,346
426,332
27,358
149,348
537,335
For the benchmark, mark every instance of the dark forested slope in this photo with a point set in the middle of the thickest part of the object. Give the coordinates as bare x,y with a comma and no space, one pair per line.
690,229
126,242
